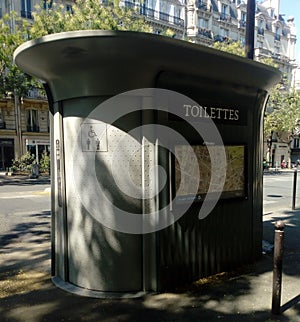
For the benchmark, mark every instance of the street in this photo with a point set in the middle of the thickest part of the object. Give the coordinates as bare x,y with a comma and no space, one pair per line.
278,191
19,201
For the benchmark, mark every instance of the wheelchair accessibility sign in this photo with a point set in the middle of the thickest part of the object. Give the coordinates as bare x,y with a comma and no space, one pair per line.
94,137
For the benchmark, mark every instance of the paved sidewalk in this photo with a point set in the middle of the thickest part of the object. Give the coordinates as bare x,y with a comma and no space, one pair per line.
23,179
27,294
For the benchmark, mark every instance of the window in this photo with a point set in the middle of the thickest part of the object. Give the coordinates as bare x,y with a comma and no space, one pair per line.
163,6
277,33
243,19
296,143
69,8
32,120
242,40
224,12
224,32
224,9
260,44
244,16
202,4
177,12
26,9
260,25
2,123
203,23
48,4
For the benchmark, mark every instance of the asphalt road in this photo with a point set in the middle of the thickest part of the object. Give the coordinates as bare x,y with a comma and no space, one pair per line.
278,191
20,203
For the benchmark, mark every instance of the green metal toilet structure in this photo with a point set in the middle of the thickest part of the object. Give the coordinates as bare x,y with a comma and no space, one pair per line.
89,75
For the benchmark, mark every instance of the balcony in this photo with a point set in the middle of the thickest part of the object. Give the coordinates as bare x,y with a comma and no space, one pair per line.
178,21
219,38
164,16
36,93
262,52
205,33
157,15
129,4
147,12
26,14
225,17
202,5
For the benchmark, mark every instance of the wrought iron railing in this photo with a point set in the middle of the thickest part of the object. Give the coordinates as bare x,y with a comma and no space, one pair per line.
36,93
205,32
151,13
225,17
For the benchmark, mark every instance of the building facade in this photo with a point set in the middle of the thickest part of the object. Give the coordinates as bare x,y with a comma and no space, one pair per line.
222,20
25,127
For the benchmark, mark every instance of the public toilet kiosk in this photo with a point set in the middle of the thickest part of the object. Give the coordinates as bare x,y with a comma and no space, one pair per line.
156,155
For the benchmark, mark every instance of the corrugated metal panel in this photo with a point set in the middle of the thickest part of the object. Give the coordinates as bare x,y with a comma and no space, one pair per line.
191,249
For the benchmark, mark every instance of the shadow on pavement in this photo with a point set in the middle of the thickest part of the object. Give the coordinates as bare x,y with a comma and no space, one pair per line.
27,294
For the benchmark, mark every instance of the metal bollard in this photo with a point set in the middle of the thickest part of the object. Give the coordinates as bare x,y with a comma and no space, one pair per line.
277,266
294,190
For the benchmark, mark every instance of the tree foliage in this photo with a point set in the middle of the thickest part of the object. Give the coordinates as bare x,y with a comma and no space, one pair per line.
12,79
24,163
283,114
233,47
86,15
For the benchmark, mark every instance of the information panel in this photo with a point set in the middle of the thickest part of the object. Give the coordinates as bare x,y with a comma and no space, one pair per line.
235,172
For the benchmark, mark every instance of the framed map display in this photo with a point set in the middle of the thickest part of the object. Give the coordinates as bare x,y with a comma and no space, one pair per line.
235,181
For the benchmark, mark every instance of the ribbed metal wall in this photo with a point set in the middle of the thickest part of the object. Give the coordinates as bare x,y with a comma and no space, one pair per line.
231,235
193,248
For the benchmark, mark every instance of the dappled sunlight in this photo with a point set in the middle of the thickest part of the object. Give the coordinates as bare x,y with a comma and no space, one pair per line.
17,282
169,301
34,313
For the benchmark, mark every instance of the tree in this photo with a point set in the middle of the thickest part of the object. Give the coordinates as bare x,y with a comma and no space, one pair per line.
13,82
282,114
89,14
282,117
52,18
232,47
12,79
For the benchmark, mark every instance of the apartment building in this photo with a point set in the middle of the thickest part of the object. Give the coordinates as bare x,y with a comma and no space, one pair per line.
220,20
25,127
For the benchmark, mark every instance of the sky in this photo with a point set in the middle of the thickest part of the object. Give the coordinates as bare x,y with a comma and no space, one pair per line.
292,8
